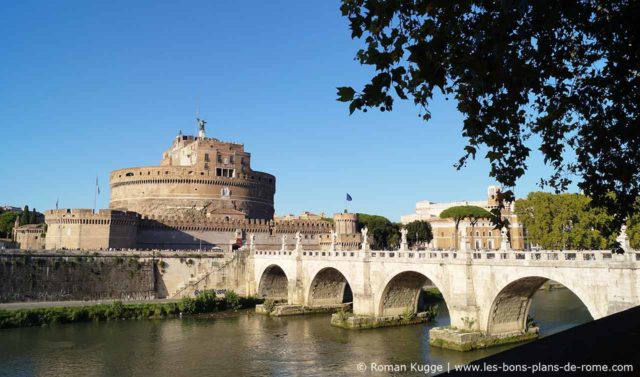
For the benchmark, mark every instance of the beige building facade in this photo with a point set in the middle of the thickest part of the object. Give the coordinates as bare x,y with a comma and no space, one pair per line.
479,236
30,236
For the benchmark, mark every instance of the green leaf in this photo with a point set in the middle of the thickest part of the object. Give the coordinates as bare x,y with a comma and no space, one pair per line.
345,94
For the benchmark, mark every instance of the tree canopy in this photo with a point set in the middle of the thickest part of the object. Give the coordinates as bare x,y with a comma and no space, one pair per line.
458,213
633,228
566,72
7,219
419,232
565,221
385,233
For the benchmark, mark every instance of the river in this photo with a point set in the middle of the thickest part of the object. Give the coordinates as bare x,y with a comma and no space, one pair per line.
244,344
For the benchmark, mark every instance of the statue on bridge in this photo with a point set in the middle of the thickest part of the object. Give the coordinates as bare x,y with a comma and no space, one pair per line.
622,238
504,243
334,239
403,241
284,242
298,241
365,241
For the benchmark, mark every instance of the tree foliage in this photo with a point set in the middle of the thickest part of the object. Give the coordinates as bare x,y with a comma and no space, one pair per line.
567,72
385,233
419,232
25,216
458,213
7,220
565,221
633,227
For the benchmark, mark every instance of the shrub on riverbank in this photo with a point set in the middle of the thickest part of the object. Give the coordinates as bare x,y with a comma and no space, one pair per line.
204,303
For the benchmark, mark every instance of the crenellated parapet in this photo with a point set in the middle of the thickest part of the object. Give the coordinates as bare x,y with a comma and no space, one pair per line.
91,217
216,224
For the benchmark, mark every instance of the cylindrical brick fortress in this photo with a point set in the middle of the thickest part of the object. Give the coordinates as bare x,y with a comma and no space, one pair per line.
164,191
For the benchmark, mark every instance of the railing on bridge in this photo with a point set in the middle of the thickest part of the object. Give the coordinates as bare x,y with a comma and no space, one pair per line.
490,257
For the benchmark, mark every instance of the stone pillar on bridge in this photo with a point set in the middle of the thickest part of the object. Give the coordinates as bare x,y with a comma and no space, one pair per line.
463,239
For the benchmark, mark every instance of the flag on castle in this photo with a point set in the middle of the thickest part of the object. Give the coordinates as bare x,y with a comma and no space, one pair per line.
97,186
349,197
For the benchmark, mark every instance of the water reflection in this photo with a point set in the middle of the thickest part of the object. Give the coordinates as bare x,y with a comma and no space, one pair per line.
243,345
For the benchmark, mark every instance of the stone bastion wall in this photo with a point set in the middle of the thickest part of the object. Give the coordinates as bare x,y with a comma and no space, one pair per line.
159,191
71,276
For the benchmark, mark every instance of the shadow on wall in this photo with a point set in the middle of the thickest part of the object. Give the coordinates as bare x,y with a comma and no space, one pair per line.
156,235
160,286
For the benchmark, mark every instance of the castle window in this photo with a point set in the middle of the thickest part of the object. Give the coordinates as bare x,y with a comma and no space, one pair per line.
219,172
129,174
206,157
489,234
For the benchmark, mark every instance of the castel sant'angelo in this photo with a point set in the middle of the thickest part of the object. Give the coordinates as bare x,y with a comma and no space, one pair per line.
203,194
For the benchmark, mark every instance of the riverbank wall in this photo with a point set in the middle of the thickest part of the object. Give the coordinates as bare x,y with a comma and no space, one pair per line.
67,276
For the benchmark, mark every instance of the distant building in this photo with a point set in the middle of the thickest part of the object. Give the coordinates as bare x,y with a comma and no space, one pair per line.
30,236
479,236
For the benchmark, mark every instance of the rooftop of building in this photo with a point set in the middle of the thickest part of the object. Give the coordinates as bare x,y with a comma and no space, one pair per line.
30,226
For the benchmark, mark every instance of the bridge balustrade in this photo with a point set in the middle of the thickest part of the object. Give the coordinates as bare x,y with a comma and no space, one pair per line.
425,256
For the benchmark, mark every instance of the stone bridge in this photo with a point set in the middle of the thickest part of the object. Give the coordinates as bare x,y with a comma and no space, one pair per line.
486,293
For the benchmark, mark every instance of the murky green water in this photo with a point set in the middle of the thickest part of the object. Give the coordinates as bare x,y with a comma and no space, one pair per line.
243,345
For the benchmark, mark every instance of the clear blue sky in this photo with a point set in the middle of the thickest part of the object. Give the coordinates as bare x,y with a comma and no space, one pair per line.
89,87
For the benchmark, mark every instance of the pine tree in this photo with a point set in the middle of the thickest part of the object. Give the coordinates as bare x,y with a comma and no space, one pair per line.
33,217
24,217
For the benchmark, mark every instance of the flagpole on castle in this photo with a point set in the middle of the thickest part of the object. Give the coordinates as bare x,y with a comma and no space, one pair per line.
346,203
95,195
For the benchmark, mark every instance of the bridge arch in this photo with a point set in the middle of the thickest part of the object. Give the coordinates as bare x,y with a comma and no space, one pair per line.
510,307
404,291
274,283
329,286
